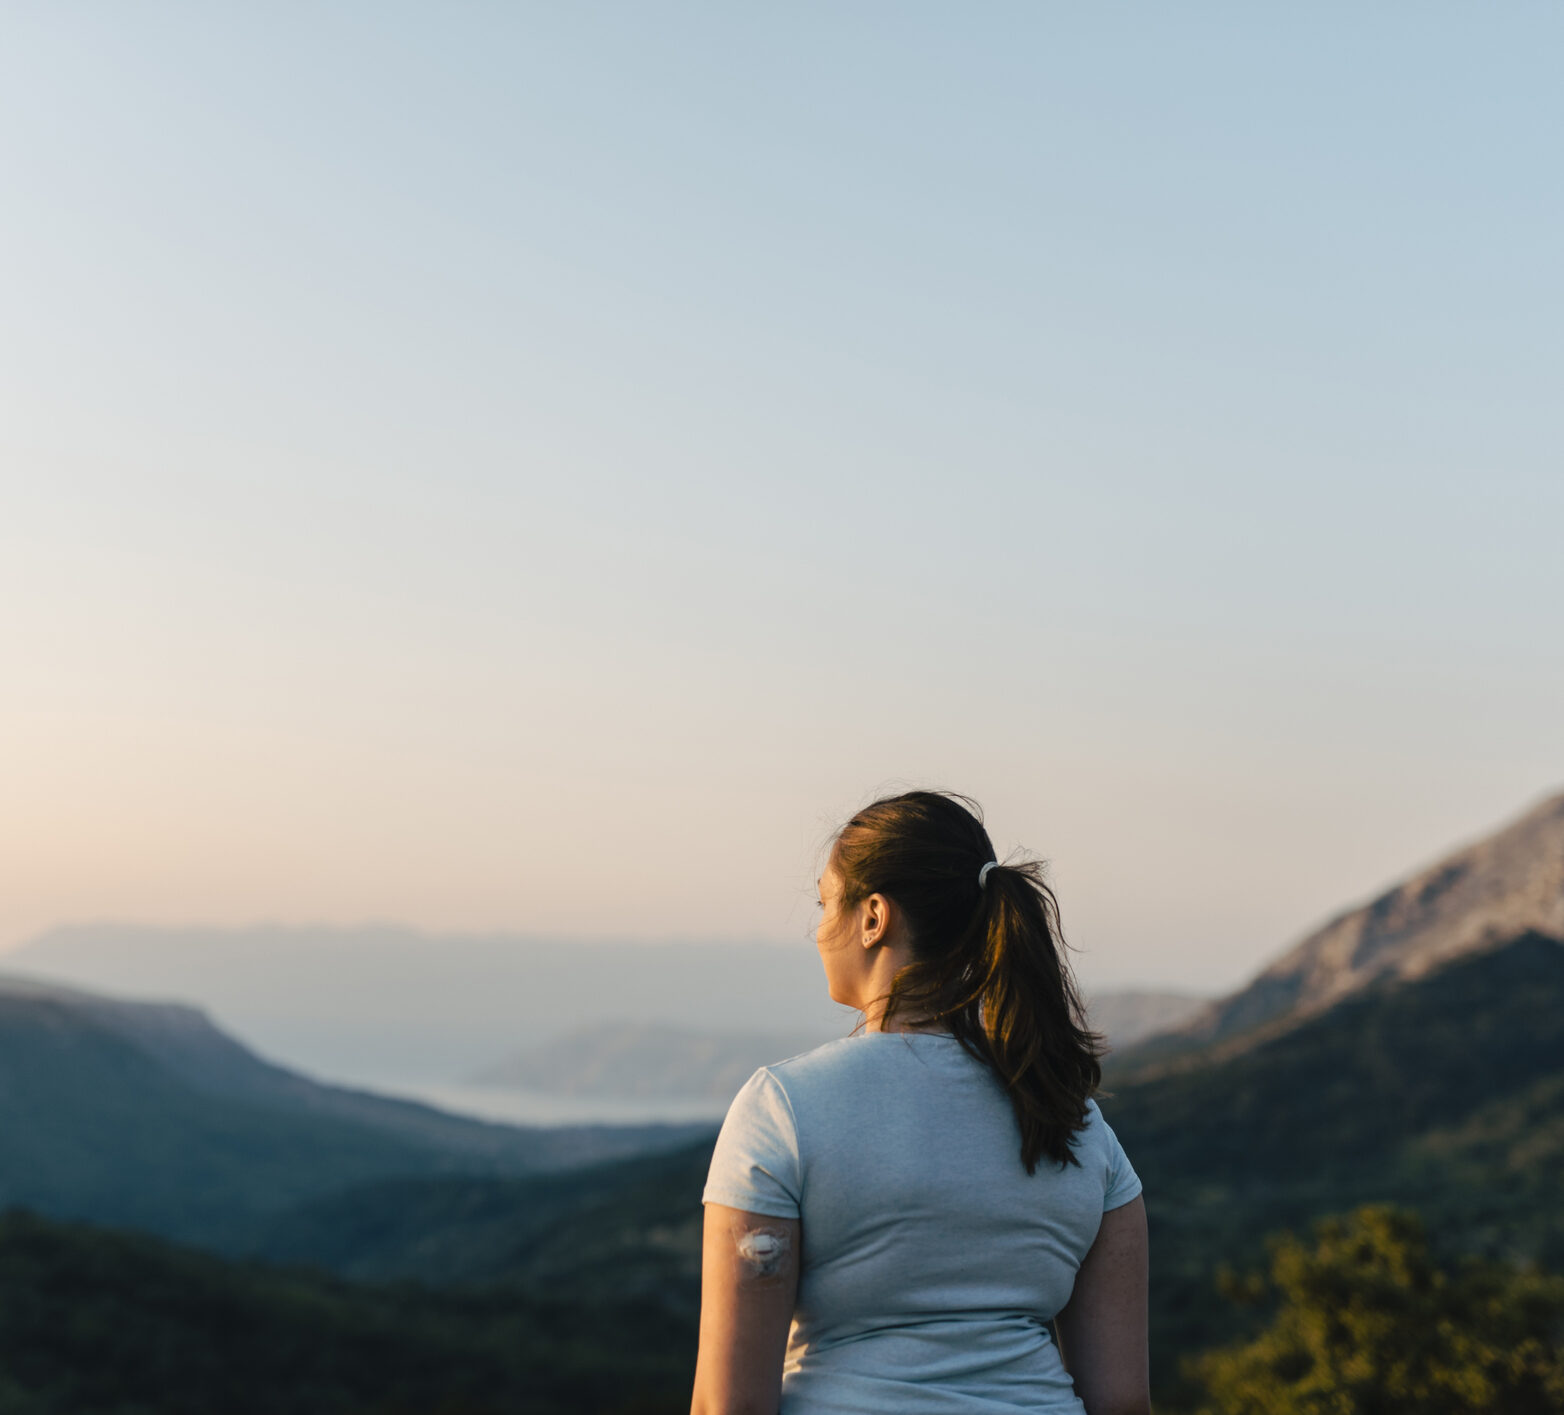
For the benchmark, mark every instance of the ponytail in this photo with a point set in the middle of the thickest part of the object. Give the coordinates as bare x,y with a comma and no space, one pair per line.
988,957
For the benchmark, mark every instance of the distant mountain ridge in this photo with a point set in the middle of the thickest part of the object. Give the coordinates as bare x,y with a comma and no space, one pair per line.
386,1006
1475,898
395,1009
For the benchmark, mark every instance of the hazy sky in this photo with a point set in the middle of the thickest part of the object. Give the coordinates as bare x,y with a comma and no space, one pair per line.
539,467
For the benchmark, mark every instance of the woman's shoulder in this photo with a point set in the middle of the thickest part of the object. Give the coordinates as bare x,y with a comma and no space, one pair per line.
793,1074
862,1056
1094,1128
827,1059
1097,1139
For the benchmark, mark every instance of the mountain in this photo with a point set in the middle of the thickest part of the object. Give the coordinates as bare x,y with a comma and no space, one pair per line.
148,1117
1427,1067
395,1009
1481,895
385,1007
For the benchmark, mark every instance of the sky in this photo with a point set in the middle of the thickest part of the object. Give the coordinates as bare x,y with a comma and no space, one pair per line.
540,468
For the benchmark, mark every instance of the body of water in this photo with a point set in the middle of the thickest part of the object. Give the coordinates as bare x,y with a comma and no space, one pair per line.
522,1107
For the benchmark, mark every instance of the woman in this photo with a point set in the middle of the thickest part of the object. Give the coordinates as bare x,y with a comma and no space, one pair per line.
892,1219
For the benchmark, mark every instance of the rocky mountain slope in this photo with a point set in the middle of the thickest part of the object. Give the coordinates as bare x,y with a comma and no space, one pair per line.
1483,894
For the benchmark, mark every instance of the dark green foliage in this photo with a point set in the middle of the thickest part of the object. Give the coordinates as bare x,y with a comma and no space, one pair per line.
1369,1325
93,1323
627,1227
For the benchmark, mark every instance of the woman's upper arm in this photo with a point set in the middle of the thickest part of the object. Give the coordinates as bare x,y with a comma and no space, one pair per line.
1102,1329
749,1282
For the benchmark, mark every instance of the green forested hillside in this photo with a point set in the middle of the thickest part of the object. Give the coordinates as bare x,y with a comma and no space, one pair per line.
94,1127
629,1227
1444,1095
97,1323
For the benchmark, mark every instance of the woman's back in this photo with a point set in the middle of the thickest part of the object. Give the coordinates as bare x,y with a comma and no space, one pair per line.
930,1258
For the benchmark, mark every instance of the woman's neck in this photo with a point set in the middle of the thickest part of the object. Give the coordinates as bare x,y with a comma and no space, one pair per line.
874,1020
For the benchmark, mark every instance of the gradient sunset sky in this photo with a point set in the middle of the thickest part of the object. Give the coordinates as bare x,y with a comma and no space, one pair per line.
539,468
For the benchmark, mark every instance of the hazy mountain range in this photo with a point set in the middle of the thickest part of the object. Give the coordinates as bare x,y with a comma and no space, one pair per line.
389,1007
383,1006
393,1008
1412,1051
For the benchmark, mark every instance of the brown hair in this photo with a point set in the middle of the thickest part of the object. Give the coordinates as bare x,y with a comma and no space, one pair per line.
988,962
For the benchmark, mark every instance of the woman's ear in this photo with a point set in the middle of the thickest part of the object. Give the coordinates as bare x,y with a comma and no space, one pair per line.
876,919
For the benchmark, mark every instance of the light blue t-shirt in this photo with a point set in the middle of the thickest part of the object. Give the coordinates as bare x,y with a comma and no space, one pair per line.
930,1258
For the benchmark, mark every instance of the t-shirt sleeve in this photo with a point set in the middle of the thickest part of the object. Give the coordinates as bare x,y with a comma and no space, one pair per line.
755,1165
1123,1184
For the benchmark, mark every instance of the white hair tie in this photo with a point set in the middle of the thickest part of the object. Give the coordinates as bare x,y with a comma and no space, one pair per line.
983,873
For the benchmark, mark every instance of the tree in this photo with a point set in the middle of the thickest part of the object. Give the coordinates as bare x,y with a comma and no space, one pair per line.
1368,1325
